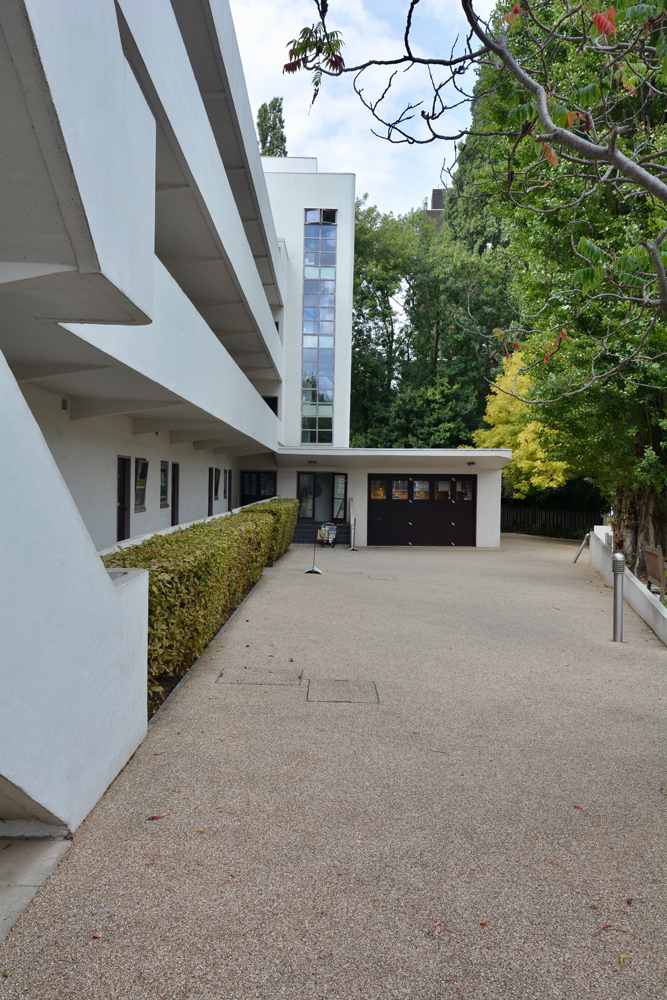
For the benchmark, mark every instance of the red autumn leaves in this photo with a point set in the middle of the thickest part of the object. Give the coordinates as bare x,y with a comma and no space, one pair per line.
605,22
547,357
516,11
549,154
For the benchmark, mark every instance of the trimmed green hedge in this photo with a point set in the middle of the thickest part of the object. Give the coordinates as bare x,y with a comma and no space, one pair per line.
198,575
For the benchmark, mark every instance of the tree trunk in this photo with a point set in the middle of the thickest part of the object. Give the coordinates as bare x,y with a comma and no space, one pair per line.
639,520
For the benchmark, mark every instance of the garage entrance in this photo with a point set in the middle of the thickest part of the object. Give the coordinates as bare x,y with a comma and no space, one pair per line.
421,510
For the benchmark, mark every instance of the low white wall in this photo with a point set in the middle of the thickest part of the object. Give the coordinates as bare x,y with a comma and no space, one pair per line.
73,642
129,543
635,593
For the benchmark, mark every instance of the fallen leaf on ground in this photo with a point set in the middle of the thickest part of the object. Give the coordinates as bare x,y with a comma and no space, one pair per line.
579,807
597,933
629,901
593,907
451,980
96,934
201,829
6,846
158,816
624,958
438,929
549,861
149,863
482,923
290,660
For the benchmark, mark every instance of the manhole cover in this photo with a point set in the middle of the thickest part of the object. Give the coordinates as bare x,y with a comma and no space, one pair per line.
259,676
350,692
378,576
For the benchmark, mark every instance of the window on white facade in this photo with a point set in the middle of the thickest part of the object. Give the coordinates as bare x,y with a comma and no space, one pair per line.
140,480
319,324
164,484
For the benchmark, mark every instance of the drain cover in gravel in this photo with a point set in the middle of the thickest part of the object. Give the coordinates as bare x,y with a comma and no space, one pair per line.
343,691
254,675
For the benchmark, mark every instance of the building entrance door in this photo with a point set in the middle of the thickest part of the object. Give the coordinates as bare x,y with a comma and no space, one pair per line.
322,496
123,487
422,510
175,492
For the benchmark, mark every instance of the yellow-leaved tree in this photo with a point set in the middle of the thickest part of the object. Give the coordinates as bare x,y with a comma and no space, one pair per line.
511,425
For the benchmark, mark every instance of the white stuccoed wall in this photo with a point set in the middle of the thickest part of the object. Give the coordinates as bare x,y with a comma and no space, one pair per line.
86,454
290,193
488,496
73,672
488,508
110,137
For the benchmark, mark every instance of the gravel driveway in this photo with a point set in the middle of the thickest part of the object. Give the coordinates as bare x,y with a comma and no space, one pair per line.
427,773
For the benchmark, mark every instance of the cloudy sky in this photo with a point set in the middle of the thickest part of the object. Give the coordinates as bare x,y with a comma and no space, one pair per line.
338,128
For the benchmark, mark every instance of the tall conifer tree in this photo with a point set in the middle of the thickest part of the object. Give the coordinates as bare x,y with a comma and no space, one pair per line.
271,128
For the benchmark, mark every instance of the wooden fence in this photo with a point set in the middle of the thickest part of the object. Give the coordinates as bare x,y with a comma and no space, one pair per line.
558,523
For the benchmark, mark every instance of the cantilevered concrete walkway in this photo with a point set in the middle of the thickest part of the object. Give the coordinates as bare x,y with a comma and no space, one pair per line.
425,773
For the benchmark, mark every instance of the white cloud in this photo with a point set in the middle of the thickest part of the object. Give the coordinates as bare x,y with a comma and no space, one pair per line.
338,129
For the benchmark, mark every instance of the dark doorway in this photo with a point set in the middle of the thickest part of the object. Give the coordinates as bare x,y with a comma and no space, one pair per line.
175,491
422,510
209,507
229,489
257,486
123,487
322,496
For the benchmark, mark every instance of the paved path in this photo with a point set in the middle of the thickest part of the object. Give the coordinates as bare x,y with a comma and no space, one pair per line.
505,787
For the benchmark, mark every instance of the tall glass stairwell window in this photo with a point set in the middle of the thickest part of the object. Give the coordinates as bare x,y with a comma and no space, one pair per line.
319,325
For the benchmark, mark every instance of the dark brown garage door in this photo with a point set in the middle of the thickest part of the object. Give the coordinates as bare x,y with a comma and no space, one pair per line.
421,510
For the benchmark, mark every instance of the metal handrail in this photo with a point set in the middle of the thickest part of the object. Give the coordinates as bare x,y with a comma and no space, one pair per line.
353,526
581,547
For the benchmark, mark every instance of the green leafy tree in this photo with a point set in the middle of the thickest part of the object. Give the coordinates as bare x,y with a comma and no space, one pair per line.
568,143
574,99
417,373
382,256
271,128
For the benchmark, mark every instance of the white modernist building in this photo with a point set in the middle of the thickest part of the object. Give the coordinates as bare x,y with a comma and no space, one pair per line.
175,339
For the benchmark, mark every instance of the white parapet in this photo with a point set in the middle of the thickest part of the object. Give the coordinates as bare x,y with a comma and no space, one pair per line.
635,593
73,642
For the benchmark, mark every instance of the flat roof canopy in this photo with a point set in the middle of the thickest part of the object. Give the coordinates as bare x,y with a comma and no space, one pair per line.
393,459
